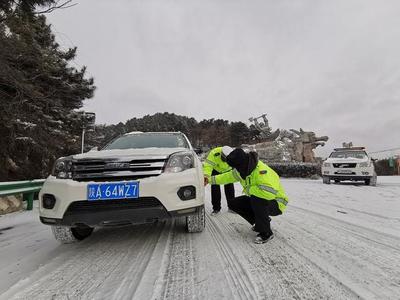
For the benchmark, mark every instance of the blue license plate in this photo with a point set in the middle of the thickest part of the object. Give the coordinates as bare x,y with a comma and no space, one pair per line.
109,191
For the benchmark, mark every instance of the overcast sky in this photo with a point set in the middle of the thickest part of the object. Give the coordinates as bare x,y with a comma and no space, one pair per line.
332,67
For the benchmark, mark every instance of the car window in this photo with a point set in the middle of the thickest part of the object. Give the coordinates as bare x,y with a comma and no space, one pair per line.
349,154
140,141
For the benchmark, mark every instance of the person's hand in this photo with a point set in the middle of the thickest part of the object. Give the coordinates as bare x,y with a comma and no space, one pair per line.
205,181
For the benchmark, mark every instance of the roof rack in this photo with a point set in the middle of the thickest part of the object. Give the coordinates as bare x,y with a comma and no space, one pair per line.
349,148
150,132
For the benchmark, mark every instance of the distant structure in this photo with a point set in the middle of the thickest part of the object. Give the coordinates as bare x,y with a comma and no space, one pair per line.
285,145
265,130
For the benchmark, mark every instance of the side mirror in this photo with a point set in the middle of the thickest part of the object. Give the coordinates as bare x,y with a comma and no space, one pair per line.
94,149
198,151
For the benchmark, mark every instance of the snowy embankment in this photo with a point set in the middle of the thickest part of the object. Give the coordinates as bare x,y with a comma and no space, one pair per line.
334,241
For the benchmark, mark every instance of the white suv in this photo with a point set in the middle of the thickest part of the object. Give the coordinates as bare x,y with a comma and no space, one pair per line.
137,178
349,164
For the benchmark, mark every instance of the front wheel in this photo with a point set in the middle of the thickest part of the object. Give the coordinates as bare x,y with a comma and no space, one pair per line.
372,181
196,222
326,180
68,235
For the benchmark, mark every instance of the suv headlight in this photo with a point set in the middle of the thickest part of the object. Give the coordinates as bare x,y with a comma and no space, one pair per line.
326,165
179,162
62,168
364,164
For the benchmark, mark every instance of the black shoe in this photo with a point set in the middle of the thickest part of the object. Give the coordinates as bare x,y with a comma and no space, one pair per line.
254,226
263,238
215,212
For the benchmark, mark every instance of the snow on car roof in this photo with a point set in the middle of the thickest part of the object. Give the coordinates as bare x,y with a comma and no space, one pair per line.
153,132
350,149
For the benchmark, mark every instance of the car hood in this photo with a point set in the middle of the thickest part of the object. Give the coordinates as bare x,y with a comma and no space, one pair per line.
116,153
346,160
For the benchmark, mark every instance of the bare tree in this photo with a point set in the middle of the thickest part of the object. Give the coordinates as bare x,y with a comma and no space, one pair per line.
8,8
57,5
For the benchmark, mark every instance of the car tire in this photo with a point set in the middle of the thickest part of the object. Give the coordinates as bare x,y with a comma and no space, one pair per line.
68,235
367,181
326,180
373,181
196,222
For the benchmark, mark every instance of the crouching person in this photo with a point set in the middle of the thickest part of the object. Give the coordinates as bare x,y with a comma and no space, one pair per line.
264,195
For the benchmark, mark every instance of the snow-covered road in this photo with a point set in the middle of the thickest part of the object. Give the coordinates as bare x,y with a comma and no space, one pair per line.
334,242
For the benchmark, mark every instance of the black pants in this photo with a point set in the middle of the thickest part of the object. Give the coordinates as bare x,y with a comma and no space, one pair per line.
216,193
256,210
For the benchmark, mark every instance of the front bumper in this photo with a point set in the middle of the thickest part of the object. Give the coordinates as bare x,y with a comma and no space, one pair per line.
354,174
348,177
164,188
111,213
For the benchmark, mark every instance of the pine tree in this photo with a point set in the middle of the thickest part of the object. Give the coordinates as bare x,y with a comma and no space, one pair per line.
39,93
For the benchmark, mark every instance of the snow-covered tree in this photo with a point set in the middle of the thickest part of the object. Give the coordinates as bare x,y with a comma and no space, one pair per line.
39,91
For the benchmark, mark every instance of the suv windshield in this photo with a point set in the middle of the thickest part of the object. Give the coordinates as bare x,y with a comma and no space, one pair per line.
148,140
349,154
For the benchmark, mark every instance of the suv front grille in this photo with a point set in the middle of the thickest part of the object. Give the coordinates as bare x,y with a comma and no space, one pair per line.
344,165
112,205
115,170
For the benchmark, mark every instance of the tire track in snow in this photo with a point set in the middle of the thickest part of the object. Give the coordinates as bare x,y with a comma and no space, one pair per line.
385,239
82,273
362,212
115,262
50,284
238,276
341,280
345,252
281,273
74,273
267,286
179,277
134,275
21,237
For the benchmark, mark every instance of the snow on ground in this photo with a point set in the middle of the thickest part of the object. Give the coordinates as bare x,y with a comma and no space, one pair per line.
334,242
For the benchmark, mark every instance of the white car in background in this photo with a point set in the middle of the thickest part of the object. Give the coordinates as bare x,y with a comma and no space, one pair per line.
137,178
352,164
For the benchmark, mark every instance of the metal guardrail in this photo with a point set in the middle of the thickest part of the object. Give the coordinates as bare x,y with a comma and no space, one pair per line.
27,188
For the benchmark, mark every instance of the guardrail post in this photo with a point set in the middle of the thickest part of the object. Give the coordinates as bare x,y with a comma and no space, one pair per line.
29,200
27,189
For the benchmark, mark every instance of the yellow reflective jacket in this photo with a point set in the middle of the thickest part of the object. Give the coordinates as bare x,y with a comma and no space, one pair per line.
214,162
263,182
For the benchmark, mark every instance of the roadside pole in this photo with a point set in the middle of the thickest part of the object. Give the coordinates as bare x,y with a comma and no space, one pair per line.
88,123
83,139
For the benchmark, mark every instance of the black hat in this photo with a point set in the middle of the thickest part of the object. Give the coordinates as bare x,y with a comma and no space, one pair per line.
242,161
237,158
